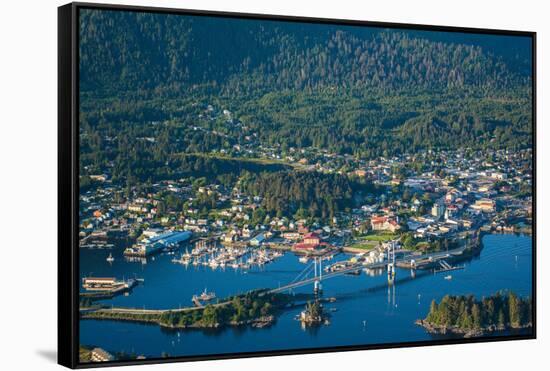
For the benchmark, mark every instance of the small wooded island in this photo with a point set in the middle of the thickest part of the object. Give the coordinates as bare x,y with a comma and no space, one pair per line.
314,314
469,317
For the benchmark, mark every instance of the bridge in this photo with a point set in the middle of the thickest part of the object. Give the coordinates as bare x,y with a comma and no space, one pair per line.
302,279
350,269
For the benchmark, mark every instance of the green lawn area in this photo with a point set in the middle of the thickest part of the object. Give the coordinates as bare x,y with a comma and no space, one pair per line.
256,160
364,245
381,236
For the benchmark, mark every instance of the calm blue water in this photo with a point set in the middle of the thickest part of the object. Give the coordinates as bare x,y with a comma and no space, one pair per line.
389,312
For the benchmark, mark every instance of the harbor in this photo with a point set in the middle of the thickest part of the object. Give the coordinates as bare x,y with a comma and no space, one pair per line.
366,307
210,253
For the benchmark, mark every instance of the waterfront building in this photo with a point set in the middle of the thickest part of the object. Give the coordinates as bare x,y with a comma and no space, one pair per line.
169,239
311,241
152,232
257,240
98,281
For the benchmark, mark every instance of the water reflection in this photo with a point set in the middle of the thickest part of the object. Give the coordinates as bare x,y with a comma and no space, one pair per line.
368,310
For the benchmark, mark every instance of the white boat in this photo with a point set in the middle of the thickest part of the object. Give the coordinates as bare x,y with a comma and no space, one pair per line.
185,259
205,296
110,258
303,259
449,277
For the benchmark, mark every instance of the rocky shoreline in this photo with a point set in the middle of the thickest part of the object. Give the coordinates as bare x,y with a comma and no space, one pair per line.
466,333
259,322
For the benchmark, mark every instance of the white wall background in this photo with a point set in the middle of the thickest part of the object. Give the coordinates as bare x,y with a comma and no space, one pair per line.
28,155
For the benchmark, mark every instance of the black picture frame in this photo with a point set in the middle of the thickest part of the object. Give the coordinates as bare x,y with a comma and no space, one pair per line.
68,181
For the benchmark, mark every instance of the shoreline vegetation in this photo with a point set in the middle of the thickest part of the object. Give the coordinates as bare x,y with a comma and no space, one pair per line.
256,308
468,317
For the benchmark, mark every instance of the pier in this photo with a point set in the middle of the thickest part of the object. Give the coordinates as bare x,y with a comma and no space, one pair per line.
105,288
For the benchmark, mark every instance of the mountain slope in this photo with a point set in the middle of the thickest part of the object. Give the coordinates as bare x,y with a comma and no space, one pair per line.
128,51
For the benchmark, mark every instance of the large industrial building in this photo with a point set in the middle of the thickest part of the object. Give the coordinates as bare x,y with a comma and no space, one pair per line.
157,242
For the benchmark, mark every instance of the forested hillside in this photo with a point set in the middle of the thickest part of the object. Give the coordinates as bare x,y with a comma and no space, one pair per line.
156,84
122,50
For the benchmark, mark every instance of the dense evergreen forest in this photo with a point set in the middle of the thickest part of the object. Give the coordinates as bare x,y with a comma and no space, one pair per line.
128,51
466,313
303,194
149,81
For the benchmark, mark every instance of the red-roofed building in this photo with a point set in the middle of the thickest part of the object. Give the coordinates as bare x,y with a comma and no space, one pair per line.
312,238
311,241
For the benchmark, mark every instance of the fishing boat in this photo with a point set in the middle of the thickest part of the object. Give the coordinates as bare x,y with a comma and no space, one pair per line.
205,296
110,258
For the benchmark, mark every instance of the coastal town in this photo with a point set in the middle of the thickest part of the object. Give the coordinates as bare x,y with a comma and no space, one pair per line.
346,188
421,208
425,209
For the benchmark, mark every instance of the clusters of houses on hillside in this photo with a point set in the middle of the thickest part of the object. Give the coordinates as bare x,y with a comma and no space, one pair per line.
464,191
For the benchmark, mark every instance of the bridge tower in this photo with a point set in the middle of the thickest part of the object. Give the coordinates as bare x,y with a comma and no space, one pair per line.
317,286
391,262
413,268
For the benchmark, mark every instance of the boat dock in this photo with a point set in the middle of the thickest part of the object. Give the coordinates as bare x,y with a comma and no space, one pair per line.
445,267
106,287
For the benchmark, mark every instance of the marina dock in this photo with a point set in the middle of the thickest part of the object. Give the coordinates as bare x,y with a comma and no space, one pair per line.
106,287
